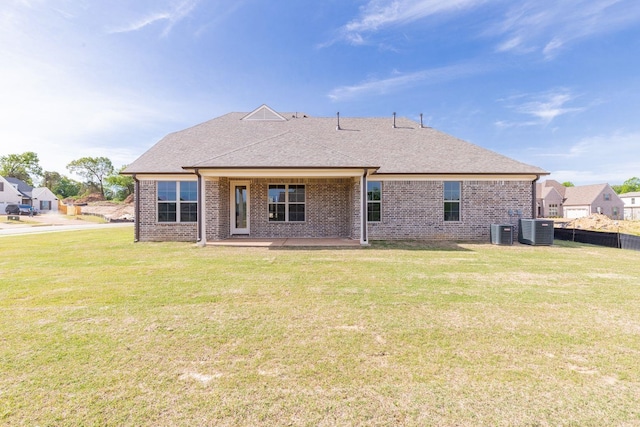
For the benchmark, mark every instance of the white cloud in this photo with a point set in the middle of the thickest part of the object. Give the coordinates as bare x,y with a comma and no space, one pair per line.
176,12
402,80
611,158
379,14
543,107
549,26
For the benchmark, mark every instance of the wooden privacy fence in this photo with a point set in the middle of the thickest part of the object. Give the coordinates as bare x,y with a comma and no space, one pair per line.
611,240
69,209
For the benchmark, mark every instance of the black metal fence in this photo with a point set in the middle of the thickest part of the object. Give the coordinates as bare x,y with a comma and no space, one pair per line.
611,240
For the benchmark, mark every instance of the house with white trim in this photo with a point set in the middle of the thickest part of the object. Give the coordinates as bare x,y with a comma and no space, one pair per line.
554,200
267,174
631,205
40,198
9,194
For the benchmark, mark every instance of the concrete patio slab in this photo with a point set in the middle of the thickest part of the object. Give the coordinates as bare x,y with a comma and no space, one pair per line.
290,242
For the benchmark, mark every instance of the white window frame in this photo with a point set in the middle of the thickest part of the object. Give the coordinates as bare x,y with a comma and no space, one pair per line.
371,202
287,202
177,202
458,201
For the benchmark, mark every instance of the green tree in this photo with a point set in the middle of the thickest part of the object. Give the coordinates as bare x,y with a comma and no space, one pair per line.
66,187
25,166
120,185
568,184
93,169
630,185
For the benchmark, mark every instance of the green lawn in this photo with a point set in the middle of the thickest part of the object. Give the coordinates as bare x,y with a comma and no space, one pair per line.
97,330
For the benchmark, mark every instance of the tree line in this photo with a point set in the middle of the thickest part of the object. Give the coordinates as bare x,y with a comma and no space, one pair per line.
98,173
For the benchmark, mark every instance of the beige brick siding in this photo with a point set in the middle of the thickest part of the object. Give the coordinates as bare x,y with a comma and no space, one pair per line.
415,209
410,210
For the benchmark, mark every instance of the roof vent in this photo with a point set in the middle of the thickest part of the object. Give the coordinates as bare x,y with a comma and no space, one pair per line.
394,120
338,117
421,125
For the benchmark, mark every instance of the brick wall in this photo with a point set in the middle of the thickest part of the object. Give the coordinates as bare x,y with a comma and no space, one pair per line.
410,210
327,209
415,209
153,231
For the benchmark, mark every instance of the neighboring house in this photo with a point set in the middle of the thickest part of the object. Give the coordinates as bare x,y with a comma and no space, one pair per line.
554,200
40,198
631,205
585,200
24,189
270,175
8,195
549,199
44,200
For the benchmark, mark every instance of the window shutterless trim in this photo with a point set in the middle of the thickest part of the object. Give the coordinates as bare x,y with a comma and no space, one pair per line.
287,204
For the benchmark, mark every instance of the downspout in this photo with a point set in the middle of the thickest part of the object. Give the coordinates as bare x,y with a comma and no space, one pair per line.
136,224
363,214
199,212
534,211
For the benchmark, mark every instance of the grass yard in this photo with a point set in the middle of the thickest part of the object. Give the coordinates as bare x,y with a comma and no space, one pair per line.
97,330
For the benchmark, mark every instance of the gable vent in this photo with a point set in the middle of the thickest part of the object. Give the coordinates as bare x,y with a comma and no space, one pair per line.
264,113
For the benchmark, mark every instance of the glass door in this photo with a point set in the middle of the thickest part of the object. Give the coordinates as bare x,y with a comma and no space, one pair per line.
239,203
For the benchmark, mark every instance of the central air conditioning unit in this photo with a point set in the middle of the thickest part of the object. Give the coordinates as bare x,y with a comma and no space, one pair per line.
502,234
537,232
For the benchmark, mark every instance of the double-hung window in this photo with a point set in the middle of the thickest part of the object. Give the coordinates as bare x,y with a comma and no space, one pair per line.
452,201
177,201
374,201
287,203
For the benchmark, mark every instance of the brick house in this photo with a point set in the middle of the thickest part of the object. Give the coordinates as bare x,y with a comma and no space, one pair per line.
266,174
556,200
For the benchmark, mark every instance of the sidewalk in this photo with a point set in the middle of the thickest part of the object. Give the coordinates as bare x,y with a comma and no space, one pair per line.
50,222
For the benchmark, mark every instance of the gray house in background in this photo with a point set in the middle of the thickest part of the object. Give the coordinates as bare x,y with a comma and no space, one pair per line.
266,174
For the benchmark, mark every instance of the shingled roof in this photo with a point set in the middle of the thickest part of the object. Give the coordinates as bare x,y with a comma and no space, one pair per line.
293,140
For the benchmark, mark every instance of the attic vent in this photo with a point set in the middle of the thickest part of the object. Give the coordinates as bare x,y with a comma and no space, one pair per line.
264,113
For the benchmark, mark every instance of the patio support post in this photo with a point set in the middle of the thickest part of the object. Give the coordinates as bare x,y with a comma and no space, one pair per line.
202,238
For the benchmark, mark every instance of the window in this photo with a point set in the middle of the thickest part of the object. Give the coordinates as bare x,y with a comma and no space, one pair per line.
45,205
553,210
177,201
452,201
614,212
286,203
633,201
374,201
607,196
1,186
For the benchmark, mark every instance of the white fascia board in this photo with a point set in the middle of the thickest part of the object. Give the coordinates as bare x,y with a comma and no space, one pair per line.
282,173
167,177
449,177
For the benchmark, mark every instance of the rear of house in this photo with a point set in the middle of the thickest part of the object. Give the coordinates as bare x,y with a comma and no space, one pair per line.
266,174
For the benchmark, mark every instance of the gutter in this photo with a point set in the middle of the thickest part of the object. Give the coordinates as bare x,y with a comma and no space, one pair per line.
137,209
534,211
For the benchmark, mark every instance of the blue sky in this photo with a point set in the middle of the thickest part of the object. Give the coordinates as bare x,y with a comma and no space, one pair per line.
553,83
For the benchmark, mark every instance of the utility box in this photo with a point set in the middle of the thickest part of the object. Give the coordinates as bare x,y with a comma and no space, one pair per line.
502,234
537,232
